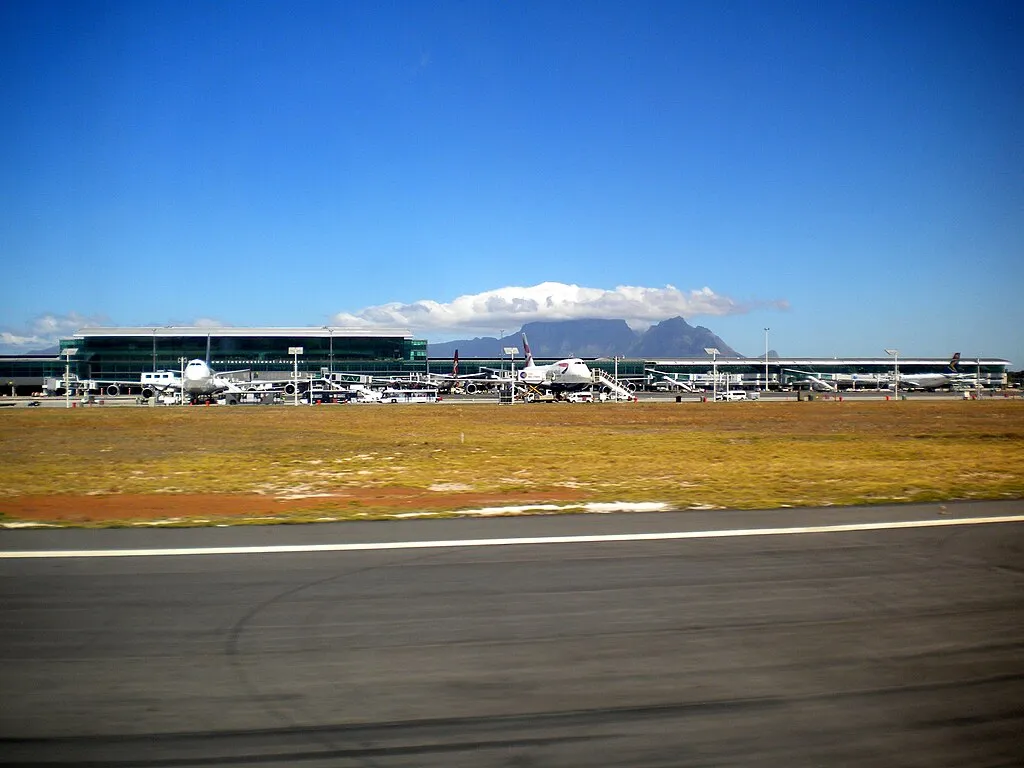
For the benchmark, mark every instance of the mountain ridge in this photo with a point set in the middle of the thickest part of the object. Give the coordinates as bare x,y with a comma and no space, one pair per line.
594,338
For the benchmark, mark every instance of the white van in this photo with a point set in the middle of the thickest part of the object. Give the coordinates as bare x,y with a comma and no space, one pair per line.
732,394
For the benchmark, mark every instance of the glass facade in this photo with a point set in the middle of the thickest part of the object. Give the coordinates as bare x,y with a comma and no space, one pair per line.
125,357
36,368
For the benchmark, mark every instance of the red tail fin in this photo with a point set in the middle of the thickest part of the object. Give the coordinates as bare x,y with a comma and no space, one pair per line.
455,364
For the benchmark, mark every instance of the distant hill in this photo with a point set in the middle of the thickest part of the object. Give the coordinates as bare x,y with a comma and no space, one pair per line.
13,351
677,338
595,338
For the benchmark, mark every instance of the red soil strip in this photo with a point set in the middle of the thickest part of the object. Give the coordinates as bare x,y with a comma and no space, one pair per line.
159,506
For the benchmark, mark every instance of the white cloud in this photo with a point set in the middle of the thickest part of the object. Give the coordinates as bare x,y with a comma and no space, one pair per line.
511,307
46,330
43,331
209,322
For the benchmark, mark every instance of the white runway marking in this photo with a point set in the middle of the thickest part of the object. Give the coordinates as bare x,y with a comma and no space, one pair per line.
458,543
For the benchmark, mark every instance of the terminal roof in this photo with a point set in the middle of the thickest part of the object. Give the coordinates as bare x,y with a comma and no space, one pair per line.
322,331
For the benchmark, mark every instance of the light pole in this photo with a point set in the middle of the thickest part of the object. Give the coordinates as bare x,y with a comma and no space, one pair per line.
181,381
511,352
896,361
295,352
67,374
713,351
766,358
330,363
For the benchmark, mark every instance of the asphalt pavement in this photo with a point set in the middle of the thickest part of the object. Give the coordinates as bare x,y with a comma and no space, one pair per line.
900,647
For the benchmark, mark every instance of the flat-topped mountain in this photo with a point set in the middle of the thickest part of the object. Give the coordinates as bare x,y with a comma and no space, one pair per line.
595,338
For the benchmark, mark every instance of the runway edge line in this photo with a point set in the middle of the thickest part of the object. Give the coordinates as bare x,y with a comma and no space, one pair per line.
536,540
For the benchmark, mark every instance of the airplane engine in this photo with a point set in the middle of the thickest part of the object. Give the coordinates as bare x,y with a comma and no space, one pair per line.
148,392
289,388
113,389
472,389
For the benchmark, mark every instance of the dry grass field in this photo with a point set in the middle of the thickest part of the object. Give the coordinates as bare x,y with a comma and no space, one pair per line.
124,465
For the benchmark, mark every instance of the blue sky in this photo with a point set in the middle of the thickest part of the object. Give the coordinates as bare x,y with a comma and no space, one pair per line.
849,174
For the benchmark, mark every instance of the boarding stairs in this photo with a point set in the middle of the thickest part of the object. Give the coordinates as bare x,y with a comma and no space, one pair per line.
616,389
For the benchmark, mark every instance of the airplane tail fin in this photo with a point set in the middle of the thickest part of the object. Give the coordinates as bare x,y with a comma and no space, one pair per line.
954,362
527,352
455,365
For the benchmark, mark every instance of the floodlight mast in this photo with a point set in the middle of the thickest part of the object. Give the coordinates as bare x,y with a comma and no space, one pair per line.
67,374
181,383
330,330
512,352
896,361
713,351
295,352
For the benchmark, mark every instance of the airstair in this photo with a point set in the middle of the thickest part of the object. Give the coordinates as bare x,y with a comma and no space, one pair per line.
617,390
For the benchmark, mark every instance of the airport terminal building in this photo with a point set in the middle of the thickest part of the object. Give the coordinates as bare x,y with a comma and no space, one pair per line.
845,373
125,353
99,354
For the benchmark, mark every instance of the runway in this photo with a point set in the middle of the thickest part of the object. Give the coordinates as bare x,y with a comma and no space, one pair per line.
889,647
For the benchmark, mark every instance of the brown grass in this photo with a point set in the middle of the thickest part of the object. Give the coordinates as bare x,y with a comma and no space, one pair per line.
344,461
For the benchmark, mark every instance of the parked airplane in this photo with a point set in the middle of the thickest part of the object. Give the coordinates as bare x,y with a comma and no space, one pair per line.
935,380
829,382
201,380
471,383
570,373
196,381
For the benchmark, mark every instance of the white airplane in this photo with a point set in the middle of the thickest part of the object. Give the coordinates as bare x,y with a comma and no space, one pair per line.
829,382
570,373
832,382
470,383
201,380
935,380
196,381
